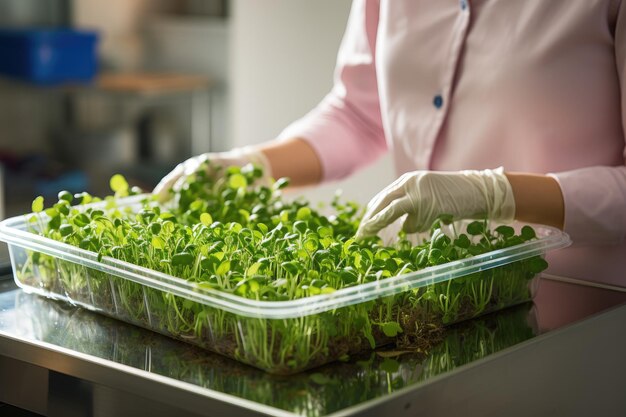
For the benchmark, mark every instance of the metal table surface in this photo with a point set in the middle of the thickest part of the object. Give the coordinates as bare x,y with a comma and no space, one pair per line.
564,355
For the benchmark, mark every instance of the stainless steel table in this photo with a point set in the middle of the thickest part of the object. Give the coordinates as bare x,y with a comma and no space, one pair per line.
563,356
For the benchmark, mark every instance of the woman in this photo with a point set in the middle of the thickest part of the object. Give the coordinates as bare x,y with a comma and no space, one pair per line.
457,89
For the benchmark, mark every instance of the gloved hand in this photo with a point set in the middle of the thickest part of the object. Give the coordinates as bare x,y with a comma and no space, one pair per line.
425,195
236,157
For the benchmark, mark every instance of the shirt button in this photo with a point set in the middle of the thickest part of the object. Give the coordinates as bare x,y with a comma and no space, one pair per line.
438,101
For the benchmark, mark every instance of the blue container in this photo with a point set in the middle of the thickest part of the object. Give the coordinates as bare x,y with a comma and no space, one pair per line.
48,56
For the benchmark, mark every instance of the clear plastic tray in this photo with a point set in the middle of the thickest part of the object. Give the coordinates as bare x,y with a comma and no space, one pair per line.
281,337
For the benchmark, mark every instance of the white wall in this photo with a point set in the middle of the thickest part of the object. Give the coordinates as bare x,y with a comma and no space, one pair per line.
196,45
282,59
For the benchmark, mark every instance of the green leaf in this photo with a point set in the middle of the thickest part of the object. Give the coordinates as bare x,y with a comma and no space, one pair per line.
51,212
291,267
118,184
326,242
390,365
300,226
168,227
183,258
422,258
86,243
206,219
81,220
37,205
254,286
245,214
155,228
166,215
476,250
237,181
205,286
439,240
146,215
391,328
262,228
462,242
209,263
429,294
382,254
242,289
537,264
311,245
253,269
475,228
85,198
63,208
196,205
434,256
514,240
223,268
303,255
66,196
348,277
158,243
505,231
55,222
446,218
368,335
66,230
347,246
328,290
325,231
304,213
320,379
528,233
281,183
319,283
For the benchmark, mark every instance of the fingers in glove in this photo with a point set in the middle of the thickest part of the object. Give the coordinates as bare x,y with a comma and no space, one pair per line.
180,182
164,187
384,198
414,223
423,214
386,216
172,181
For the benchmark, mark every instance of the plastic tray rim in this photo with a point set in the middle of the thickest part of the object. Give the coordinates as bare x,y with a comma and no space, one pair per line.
13,235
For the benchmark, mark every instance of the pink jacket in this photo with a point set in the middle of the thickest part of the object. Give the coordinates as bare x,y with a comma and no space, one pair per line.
533,85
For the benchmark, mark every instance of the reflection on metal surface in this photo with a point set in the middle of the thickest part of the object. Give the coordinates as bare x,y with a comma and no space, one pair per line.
319,392
559,303
339,386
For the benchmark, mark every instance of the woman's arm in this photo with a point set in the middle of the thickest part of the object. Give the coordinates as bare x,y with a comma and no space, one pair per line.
424,195
295,159
538,198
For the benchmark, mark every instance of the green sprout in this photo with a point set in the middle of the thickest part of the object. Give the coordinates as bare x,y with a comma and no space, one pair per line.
229,232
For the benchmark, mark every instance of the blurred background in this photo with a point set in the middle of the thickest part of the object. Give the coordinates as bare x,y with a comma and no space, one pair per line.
89,88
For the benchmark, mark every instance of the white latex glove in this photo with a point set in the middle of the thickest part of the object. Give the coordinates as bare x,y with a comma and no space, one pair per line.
236,157
425,195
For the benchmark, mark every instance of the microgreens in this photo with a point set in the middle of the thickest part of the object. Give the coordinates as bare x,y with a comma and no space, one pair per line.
228,232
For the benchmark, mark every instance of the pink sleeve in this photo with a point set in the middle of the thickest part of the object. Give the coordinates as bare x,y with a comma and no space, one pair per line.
345,129
595,204
595,197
